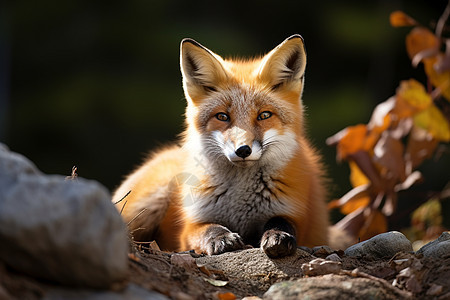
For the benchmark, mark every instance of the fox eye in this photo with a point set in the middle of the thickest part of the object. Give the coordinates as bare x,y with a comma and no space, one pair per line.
222,117
264,115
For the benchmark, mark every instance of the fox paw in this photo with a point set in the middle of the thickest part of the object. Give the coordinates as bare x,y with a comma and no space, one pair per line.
223,242
277,243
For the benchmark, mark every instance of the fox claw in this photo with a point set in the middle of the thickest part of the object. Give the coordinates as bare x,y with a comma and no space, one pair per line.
277,243
226,242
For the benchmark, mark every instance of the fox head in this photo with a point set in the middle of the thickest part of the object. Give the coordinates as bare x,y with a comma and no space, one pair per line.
243,112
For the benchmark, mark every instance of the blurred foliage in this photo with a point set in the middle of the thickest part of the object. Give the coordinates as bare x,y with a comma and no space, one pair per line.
405,130
97,84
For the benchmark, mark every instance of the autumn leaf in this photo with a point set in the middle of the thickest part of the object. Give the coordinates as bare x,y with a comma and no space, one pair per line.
354,204
421,43
400,19
226,296
357,177
375,223
421,146
353,139
434,122
388,154
440,80
411,98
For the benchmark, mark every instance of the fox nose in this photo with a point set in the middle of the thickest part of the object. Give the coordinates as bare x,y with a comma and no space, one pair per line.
243,151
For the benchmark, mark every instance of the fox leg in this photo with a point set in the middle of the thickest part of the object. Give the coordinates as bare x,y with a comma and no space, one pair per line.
278,239
210,238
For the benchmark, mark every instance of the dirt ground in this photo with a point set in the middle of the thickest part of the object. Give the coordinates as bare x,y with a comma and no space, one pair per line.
251,273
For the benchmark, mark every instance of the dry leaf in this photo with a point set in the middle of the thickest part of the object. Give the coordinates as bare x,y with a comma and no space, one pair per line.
420,39
400,19
388,153
226,296
357,177
411,98
355,193
375,223
440,80
381,119
421,146
183,260
320,266
216,282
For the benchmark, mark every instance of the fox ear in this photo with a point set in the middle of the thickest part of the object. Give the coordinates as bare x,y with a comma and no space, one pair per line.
284,64
202,69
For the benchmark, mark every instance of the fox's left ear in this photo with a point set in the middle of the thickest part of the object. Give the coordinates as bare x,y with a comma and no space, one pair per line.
285,64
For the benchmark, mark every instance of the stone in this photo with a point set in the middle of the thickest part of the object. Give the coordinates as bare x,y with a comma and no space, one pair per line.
333,286
382,245
131,292
67,232
437,248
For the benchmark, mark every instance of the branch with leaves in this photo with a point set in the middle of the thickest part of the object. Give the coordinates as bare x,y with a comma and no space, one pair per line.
384,154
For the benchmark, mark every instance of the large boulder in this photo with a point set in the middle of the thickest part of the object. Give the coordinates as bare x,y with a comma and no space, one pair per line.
65,231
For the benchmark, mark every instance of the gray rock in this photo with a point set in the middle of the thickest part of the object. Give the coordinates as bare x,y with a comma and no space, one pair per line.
334,287
13,166
437,248
131,292
382,245
63,231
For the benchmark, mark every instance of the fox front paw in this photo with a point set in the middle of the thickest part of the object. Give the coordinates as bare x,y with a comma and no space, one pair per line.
277,243
220,240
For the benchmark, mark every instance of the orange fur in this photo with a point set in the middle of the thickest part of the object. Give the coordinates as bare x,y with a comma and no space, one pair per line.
182,196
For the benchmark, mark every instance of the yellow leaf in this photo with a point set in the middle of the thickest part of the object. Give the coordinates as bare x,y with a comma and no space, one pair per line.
411,98
440,80
357,177
434,122
400,19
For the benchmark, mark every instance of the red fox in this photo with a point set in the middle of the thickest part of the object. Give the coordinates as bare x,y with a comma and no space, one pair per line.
244,174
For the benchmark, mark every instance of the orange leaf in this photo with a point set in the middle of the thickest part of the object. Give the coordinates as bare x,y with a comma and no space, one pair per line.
440,80
352,141
226,296
354,204
375,223
421,39
400,19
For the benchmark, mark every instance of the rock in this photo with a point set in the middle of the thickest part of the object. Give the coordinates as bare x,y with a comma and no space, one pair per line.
437,248
322,251
253,262
333,257
63,231
382,245
334,287
131,292
13,166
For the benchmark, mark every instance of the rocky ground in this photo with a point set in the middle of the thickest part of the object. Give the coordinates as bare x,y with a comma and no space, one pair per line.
63,239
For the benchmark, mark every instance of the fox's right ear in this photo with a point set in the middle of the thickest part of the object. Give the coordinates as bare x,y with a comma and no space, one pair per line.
202,69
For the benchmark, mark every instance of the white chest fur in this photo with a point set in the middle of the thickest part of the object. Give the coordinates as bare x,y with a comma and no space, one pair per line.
243,201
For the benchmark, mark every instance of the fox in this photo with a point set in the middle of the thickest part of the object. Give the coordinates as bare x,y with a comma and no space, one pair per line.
244,173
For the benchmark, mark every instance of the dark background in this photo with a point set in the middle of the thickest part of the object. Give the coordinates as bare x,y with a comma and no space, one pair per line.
97,84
